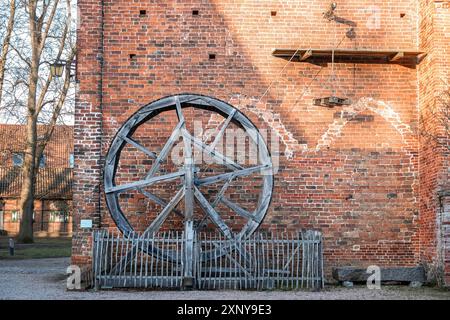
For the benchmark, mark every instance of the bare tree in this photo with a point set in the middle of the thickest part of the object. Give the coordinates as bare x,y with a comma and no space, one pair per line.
436,122
43,33
6,39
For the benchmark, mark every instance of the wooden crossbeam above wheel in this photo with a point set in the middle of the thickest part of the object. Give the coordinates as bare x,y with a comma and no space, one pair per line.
304,55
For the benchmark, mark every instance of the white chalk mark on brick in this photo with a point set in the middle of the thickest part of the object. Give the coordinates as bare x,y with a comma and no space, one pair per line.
378,107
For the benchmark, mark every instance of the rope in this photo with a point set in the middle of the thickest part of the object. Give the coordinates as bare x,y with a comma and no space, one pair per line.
333,89
279,74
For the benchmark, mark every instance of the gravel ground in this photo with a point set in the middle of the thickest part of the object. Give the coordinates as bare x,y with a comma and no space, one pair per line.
45,279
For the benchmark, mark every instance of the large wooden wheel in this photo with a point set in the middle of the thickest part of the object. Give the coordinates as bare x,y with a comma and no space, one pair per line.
191,181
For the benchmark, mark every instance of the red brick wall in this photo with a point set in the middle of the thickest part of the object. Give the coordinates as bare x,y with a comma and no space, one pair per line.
434,74
356,179
87,137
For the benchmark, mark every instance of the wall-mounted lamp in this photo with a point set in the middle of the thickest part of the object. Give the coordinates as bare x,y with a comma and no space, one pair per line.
57,69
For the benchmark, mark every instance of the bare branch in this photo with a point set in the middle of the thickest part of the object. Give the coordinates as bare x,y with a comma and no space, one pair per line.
436,121
6,44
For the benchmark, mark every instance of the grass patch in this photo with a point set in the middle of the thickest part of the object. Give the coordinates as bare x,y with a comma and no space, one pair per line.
41,248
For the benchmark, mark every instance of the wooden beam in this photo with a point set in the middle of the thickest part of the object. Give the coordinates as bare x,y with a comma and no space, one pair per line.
390,55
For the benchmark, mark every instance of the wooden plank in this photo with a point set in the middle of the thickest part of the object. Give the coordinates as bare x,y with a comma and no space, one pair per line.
146,259
121,255
136,256
142,240
96,257
303,259
304,54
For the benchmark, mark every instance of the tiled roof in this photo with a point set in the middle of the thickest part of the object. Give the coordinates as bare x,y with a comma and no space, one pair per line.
54,181
51,183
12,139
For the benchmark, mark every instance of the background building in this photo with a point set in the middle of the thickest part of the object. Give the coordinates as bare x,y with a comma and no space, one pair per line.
53,204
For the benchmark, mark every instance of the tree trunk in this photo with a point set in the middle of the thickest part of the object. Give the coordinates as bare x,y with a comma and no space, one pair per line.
28,183
29,168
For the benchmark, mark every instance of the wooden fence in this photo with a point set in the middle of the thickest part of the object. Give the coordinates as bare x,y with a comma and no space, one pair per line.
262,261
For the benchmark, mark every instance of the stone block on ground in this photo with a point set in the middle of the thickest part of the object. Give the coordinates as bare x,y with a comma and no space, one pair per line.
401,274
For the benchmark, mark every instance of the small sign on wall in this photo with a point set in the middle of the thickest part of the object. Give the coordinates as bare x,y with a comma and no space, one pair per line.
86,223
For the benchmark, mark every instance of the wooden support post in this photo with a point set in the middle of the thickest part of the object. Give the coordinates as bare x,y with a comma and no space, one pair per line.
188,277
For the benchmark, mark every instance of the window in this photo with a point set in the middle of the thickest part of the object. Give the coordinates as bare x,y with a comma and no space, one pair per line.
42,161
15,216
71,160
18,159
59,216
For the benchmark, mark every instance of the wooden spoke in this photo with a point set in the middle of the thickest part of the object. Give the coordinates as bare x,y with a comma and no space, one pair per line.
179,112
139,147
222,191
159,201
236,208
215,154
222,130
213,215
165,150
215,202
145,182
227,175
156,224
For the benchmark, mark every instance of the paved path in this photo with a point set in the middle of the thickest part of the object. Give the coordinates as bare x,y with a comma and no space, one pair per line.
45,279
